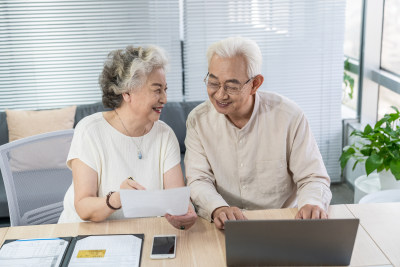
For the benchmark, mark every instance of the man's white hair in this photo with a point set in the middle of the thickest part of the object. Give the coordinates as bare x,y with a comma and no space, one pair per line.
234,46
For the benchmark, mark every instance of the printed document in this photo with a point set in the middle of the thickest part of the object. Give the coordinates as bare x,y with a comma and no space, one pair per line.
33,252
151,203
107,250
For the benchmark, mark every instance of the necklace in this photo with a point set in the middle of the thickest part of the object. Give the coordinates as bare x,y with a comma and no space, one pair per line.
138,147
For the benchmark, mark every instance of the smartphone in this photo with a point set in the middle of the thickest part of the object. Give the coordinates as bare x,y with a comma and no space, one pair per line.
164,247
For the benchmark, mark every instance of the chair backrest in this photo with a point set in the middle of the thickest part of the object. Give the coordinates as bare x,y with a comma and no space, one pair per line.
36,177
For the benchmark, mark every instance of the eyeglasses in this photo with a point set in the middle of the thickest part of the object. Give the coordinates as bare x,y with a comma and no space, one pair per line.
231,87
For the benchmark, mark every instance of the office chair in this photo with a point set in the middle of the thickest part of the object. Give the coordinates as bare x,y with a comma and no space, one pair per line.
36,177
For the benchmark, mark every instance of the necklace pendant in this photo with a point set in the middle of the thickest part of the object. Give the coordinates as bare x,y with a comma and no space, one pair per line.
139,154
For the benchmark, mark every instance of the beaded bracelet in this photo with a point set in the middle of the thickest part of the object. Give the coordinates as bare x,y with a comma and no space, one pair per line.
108,201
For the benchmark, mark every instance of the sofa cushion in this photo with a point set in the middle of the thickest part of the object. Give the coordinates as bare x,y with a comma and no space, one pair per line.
175,114
85,110
24,123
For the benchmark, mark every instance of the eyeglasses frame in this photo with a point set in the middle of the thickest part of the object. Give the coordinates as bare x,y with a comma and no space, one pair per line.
238,91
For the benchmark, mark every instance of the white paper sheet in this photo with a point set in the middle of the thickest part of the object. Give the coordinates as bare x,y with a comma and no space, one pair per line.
121,251
150,203
33,252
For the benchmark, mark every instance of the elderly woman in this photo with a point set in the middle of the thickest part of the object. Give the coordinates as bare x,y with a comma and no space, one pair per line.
110,148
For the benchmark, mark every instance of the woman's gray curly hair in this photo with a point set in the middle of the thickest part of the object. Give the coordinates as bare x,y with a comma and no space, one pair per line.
127,69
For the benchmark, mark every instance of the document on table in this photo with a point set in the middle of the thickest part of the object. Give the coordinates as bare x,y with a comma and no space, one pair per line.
107,250
33,252
150,203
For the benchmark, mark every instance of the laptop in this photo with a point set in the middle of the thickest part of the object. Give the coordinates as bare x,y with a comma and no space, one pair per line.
290,242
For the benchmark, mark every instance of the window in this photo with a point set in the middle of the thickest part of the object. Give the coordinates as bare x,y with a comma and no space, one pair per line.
379,63
391,37
352,34
52,52
352,39
350,97
387,98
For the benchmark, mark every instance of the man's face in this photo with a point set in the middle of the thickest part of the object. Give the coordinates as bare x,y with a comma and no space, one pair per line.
229,71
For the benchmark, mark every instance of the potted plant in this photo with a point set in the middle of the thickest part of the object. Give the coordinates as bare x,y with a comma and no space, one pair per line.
379,148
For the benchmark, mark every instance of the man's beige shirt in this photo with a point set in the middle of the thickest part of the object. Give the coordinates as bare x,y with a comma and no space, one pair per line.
272,162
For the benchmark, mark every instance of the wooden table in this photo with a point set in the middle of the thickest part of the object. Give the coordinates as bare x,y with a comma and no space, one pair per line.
204,245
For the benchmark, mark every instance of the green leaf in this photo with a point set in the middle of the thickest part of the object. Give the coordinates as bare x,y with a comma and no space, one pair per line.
393,107
373,163
366,151
347,64
394,116
395,168
346,155
367,129
386,162
379,123
380,168
356,133
351,80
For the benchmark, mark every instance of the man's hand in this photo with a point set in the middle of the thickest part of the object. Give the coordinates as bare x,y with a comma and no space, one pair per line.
222,214
311,212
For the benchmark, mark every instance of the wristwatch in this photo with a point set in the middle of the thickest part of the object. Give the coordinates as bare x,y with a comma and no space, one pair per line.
108,201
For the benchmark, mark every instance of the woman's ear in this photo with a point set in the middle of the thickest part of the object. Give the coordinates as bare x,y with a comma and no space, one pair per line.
126,97
257,82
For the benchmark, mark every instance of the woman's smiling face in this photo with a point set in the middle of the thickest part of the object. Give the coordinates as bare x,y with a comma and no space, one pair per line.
149,99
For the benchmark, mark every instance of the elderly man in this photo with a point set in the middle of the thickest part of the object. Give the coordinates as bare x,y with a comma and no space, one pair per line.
247,149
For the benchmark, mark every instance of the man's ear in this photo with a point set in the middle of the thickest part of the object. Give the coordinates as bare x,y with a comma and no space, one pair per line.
257,82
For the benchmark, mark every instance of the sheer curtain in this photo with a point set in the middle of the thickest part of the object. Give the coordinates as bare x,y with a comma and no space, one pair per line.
52,51
302,47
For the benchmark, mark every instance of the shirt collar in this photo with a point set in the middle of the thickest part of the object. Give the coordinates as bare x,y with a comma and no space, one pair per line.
253,114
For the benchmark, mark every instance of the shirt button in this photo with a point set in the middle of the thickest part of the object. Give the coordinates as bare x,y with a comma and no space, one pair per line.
240,141
241,164
244,187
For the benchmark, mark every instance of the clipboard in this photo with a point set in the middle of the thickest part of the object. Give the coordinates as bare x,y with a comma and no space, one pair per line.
72,241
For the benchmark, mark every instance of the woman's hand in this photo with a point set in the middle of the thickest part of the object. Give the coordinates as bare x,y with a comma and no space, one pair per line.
183,222
130,183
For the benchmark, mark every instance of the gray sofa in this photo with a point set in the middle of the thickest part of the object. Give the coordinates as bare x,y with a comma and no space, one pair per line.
174,114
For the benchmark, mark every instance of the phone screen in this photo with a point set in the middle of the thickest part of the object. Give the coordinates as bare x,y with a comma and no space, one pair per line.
163,245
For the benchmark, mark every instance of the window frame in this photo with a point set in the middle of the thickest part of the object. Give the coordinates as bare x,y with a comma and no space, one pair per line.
372,76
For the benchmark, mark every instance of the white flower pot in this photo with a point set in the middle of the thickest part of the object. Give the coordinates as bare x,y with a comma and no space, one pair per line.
388,181
365,185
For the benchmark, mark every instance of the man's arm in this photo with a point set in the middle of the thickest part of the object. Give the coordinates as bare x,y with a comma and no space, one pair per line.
309,173
199,174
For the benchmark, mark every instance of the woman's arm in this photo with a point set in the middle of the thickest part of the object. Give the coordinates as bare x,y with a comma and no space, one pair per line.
174,177
88,205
